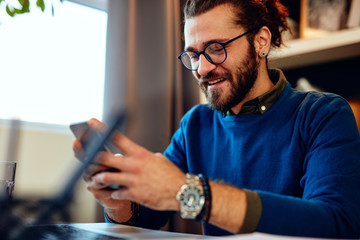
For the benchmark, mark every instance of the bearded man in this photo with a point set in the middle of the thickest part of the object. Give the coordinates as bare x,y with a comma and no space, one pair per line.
288,161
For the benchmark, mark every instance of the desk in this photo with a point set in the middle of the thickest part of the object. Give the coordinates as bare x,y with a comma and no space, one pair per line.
127,232
92,231
109,231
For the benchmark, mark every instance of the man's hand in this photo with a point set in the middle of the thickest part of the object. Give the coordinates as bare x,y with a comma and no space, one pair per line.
150,179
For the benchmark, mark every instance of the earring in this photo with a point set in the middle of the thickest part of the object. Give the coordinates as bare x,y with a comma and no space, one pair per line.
263,54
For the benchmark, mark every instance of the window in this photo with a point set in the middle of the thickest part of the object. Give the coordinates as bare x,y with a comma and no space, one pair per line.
52,68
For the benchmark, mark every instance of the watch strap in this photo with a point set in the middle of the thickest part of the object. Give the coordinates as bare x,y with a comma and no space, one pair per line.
206,211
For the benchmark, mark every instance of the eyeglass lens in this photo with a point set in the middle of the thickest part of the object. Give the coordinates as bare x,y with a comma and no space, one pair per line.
214,53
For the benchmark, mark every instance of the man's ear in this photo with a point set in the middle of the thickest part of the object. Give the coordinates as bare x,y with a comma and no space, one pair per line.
262,42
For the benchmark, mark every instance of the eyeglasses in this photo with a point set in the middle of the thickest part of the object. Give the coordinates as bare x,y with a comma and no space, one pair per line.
215,53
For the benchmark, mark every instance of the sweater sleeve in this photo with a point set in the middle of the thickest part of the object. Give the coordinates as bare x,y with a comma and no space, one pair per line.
330,205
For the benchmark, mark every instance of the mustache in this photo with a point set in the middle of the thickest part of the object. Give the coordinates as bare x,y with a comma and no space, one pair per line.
212,75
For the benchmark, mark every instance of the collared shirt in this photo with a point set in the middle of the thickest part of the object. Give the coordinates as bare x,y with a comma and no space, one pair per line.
263,102
260,105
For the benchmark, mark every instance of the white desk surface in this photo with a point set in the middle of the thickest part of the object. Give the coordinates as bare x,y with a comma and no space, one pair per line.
127,232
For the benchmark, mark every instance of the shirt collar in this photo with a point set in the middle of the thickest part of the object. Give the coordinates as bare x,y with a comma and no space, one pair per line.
264,102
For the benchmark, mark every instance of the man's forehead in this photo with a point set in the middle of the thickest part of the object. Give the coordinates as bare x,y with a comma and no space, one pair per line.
216,23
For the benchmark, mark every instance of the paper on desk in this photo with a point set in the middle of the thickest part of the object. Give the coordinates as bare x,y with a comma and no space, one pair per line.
265,236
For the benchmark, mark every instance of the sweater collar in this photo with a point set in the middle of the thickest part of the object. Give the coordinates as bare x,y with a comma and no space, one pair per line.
264,102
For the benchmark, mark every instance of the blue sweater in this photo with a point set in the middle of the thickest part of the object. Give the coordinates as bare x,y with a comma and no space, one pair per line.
302,156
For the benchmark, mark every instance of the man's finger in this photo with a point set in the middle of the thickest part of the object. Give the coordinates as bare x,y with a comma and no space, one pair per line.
92,170
77,148
93,185
97,125
127,146
122,194
107,178
119,162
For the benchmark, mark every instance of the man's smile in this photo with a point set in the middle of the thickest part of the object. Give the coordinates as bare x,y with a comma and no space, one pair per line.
215,81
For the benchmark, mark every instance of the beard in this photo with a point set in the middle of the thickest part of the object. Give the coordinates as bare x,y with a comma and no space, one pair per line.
240,83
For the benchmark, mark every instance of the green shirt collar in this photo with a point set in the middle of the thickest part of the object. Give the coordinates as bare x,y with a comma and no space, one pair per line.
264,102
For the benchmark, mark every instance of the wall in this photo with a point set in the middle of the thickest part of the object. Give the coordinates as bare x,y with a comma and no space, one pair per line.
44,163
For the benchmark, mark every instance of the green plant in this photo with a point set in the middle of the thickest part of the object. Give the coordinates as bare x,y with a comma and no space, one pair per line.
24,6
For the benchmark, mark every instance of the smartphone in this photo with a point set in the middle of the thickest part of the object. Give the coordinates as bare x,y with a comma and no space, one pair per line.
85,134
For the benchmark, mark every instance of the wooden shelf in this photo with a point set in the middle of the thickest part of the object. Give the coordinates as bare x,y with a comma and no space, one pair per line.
304,52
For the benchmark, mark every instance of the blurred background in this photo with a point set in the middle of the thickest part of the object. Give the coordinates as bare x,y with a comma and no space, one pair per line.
67,61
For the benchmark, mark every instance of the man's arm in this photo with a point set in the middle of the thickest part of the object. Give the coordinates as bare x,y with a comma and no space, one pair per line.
153,181
229,206
329,205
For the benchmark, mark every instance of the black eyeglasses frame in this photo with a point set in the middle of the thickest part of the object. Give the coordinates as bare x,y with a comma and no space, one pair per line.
207,56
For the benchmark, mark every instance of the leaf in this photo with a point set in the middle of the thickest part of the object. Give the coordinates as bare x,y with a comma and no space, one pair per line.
25,6
9,11
13,11
41,4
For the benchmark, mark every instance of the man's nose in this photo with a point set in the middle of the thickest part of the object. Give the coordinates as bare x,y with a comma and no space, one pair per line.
205,66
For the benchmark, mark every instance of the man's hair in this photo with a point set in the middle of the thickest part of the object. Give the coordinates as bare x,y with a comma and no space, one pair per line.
251,14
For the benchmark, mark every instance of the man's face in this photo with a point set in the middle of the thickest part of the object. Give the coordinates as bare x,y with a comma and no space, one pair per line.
227,84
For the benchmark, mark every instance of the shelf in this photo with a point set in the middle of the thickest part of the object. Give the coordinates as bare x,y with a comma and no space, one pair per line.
304,52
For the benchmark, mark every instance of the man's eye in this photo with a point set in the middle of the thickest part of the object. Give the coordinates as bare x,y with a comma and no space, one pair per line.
215,48
193,56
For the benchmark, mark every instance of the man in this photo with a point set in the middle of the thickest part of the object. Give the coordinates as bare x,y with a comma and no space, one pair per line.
288,162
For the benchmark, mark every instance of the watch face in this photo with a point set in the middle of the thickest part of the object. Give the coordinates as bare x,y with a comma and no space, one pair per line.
191,198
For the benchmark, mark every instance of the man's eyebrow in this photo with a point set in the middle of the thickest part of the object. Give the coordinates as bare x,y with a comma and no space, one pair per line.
205,44
189,49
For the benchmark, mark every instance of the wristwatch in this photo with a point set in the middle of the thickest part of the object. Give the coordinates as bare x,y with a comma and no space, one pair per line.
191,197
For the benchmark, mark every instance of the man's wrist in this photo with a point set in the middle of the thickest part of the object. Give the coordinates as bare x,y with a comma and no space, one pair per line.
112,215
108,218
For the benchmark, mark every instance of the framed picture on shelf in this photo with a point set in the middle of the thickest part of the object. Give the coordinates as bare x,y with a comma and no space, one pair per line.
319,17
354,14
